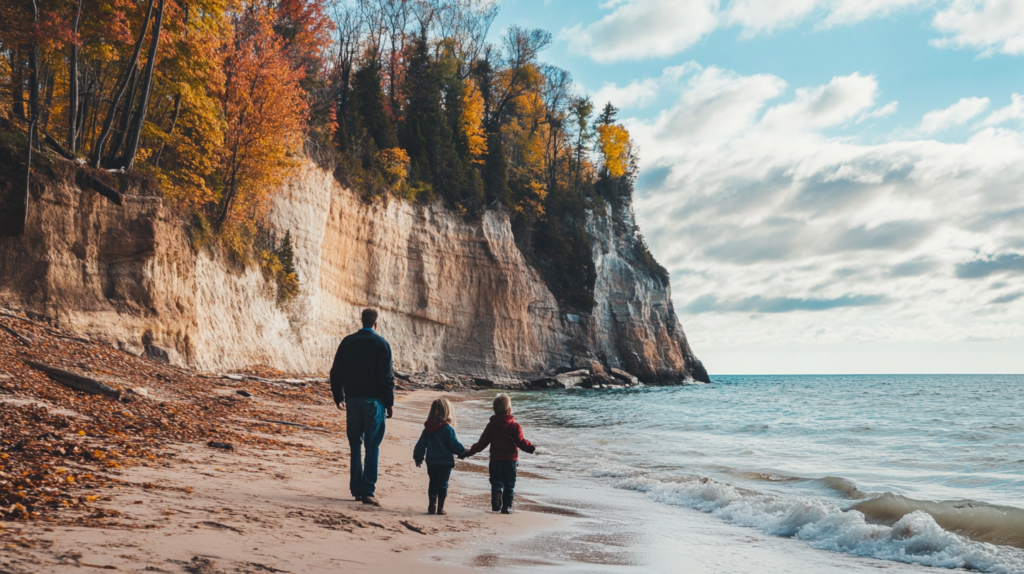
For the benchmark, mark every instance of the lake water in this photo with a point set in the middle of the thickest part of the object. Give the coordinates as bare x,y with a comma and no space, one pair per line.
917,469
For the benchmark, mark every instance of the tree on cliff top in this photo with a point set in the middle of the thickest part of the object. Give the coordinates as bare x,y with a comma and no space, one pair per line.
216,98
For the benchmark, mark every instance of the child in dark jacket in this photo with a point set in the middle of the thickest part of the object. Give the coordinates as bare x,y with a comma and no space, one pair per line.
506,438
440,445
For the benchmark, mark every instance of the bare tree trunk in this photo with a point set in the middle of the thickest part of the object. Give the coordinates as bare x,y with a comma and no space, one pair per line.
33,60
17,84
97,152
44,121
135,132
73,87
174,122
126,117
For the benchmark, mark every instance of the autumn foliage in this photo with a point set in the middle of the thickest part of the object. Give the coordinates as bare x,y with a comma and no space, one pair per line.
220,100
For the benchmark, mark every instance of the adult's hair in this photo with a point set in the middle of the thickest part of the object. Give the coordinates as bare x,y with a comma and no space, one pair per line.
369,317
502,405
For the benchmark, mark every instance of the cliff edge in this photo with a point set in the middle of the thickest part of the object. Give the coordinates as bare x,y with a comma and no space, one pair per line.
455,295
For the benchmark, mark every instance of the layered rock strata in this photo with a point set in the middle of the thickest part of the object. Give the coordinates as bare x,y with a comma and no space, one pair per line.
455,295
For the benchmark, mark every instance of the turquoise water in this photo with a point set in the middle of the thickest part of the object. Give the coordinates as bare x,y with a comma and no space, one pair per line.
921,469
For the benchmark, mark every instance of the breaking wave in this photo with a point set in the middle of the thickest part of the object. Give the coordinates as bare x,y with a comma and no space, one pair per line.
960,534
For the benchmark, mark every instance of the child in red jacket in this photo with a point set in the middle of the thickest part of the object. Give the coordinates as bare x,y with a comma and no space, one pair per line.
505,436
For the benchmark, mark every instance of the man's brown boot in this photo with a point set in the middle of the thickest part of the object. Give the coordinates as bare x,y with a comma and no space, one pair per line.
432,507
440,504
371,501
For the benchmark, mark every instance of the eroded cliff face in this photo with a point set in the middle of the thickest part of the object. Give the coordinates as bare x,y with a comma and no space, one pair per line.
454,296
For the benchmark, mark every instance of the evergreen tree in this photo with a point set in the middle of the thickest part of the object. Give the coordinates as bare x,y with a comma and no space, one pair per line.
608,114
368,105
287,278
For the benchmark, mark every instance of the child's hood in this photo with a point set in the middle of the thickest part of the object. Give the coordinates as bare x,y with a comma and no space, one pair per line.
501,422
433,426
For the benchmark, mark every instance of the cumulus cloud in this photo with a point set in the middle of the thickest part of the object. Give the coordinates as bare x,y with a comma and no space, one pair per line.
956,115
837,102
640,93
988,25
637,29
1012,112
770,209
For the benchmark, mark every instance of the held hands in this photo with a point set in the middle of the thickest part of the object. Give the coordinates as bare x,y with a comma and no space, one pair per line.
390,412
419,464
341,405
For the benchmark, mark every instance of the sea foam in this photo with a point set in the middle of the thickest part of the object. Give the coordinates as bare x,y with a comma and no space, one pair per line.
913,538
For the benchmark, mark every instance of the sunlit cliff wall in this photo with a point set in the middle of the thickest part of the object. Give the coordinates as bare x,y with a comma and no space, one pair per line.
455,295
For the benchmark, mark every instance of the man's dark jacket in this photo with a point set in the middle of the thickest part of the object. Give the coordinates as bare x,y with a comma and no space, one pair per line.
362,368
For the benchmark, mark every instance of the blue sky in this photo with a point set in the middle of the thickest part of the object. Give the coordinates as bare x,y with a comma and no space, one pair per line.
837,186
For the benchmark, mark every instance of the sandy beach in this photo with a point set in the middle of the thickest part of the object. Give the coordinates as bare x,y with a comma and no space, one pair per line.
254,510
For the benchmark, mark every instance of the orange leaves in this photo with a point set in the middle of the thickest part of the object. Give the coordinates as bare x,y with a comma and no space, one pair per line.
613,141
265,111
471,121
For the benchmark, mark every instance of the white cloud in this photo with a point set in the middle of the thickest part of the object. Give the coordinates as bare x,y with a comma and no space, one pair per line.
778,234
1012,112
640,93
765,16
988,25
716,104
882,112
639,29
956,115
840,101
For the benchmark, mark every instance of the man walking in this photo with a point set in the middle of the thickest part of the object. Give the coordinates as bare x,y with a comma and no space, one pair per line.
363,384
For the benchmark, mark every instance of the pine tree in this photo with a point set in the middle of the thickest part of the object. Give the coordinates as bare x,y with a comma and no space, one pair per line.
368,105
287,277
608,114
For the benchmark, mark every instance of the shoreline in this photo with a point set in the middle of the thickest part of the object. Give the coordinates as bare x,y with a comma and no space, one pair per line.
134,482
286,510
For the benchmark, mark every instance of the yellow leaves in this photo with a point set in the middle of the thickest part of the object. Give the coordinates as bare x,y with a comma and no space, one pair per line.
81,433
395,165
92,498
471,121
99,455
71,479
613,140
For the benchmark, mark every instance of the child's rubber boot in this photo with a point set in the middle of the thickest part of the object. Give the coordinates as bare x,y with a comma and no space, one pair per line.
495,500
440,504
506,509
432,507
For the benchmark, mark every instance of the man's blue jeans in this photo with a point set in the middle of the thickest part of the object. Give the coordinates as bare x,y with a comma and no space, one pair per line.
365,423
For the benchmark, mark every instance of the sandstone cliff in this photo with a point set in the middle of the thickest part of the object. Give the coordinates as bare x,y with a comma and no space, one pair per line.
455,296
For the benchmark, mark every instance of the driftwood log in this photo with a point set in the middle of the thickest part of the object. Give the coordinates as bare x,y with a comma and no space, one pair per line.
21,338
75,380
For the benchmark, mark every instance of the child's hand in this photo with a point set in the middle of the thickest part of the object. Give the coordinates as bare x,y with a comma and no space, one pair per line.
419,464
